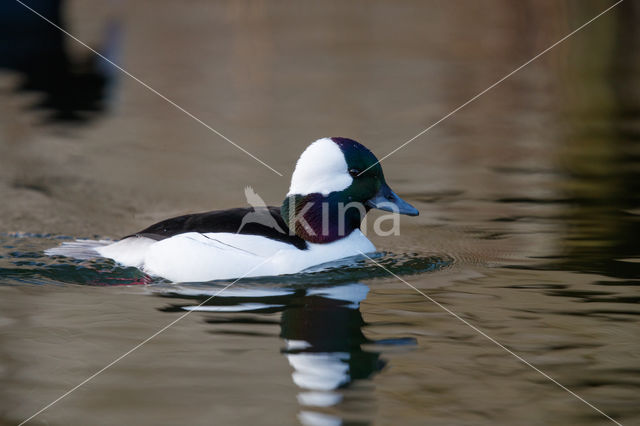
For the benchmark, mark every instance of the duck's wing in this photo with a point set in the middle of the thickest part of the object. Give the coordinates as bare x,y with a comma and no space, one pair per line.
229,221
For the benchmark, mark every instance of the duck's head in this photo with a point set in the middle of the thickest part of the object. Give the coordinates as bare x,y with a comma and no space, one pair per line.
335,183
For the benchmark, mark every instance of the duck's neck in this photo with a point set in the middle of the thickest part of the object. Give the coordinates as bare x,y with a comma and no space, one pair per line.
321,218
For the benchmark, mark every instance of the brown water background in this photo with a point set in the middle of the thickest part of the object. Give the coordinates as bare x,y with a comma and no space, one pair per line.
531,194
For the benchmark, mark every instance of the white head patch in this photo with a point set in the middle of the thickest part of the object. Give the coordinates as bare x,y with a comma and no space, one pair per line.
321,168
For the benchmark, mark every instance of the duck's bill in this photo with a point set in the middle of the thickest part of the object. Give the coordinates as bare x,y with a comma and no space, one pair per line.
389,201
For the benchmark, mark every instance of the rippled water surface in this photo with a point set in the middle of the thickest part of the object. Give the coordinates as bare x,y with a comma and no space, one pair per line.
529,227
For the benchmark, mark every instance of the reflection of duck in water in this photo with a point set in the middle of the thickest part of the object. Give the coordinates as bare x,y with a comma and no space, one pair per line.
322,329
324,338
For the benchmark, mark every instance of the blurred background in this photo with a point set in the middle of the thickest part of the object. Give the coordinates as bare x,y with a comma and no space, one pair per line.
532,190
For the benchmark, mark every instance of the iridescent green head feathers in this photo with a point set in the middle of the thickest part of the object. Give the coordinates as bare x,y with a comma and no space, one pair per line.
335,183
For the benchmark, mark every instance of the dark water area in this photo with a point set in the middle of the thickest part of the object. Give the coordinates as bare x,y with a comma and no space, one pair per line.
529,201
70,91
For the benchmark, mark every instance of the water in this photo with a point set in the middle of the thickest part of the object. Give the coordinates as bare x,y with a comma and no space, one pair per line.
529,225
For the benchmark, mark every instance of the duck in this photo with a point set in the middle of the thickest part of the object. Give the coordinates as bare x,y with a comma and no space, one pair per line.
335,183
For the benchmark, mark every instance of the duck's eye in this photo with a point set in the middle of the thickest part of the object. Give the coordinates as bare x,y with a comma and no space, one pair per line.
354,172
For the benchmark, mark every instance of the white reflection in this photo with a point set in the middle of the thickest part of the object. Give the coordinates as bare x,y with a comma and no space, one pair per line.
311,418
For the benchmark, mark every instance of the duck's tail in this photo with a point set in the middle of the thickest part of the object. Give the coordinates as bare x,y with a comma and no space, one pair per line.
78,249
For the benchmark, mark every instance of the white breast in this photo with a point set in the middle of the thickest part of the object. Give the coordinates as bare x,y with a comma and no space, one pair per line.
203,257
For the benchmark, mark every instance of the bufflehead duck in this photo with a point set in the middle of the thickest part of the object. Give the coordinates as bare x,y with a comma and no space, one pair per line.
336,181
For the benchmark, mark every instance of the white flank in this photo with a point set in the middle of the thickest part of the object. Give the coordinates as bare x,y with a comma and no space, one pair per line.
195,257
